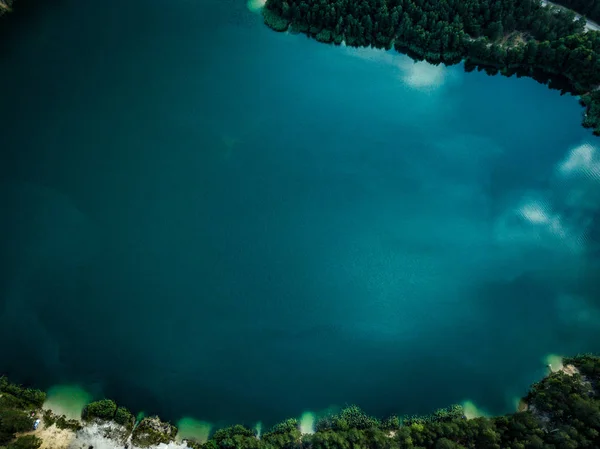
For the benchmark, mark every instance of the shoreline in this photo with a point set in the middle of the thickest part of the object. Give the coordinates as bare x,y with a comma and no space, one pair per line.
103,425
508,53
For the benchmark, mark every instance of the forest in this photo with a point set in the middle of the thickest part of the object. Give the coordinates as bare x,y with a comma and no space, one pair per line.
521,37
562,411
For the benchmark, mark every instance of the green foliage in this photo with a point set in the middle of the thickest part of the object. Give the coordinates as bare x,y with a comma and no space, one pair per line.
9,401
152,432
289,425
452,413
193,444
26,442
448,414
210,444
104,409
351,417
501,36
445,443
63,423
49,418
30,396
123,416
357,419
237,436
13,421
587,364
229,432
391,423
285,435
275,21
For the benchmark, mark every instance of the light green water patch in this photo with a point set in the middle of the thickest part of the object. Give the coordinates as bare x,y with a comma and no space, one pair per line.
68,400
307,422
554,362
472,411
193,429
258,429
256,5
519,404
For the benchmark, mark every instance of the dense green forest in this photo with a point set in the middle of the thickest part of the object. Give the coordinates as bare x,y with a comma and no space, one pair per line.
560,412
16,403
587,8
500,36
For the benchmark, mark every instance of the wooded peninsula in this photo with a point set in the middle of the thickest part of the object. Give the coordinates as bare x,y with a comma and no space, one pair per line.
523,37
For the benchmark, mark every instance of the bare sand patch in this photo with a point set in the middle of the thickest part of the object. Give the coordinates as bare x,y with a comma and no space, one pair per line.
569,370
52,437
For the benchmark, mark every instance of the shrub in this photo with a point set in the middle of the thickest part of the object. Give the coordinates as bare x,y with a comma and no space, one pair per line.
390,423
357,419
229,432
63,423
123,416
152,431
13,421
26,442
325,423
275,21
49,418
32,396
448,414
286,426
104,409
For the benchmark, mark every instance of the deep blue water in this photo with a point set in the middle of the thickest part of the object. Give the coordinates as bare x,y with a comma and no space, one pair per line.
203,217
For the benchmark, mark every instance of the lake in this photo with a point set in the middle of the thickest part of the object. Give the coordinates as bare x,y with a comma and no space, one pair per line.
202,217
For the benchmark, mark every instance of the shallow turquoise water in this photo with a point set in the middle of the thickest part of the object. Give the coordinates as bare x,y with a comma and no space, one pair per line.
202,217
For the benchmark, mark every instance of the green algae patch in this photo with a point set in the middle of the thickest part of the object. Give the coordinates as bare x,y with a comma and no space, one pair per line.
307,423
67,400
191,429
255,5
554,362
472,411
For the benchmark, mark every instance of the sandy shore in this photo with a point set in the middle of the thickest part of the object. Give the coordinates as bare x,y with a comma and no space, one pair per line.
52,437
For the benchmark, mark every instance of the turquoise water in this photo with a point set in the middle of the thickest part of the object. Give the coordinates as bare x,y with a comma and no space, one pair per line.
67,400
204,218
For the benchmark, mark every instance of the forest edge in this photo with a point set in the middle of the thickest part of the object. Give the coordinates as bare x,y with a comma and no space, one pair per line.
560,411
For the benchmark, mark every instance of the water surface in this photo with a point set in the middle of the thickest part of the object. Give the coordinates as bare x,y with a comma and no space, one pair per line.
205,218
